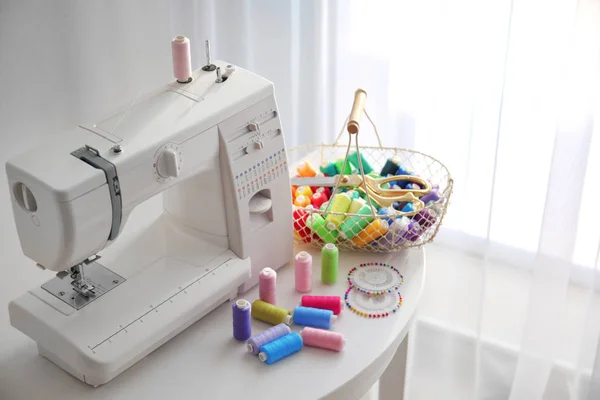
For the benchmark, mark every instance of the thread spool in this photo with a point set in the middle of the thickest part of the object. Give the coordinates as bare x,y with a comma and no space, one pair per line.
373,231
328,169
257,341
329,263
304,191
353,158
182,60
331,303
408,207
303,271
425,218
391,166
353,194
318,225
267,285
413,231
323,339
396,232
318,199
354,224
301,201
300,216
242,326
387,213
270,314
324,206
339,203
280,348
402,170
325,190
339,163
356,205
314,317
433,195
306,170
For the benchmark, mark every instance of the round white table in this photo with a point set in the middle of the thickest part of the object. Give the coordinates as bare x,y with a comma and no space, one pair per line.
205,362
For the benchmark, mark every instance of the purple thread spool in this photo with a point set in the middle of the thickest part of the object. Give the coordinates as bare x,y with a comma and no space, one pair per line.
413,231
433,195
394,236
426,217
257,341
242,328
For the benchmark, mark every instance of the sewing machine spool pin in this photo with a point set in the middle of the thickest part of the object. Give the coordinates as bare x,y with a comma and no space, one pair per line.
209,66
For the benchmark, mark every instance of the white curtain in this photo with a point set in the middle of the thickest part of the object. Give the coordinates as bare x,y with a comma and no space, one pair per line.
504,92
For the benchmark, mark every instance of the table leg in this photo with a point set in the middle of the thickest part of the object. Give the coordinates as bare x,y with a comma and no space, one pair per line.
391,383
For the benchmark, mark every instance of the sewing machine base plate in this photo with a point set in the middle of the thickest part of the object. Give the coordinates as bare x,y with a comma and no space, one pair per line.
102,278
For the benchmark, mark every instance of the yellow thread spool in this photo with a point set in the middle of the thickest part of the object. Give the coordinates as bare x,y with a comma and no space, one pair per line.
374,230
263,311
356,205
306,170
340,203
301,201
304,191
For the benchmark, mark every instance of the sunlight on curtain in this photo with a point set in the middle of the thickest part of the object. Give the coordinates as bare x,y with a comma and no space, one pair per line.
487,87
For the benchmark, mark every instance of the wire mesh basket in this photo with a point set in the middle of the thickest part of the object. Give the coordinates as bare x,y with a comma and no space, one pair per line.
364,219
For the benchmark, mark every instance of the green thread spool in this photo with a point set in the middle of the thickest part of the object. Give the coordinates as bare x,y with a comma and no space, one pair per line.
353,158
340,163
353,225
263,311
329,263
353,194
324,206
339,203
356,205
318,225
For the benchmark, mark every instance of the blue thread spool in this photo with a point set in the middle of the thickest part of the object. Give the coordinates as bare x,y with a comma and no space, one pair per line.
280,348
402,170
408,207
389,212
314,317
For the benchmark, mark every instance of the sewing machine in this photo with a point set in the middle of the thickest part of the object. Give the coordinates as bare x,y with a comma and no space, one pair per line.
213,149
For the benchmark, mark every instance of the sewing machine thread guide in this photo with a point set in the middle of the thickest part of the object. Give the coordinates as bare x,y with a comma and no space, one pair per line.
103,280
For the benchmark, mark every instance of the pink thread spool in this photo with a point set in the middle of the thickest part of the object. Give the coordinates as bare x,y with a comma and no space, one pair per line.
323,339
182,60
267,282
332,303
303,271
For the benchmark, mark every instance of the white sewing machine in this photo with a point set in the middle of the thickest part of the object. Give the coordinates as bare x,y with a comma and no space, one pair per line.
216,153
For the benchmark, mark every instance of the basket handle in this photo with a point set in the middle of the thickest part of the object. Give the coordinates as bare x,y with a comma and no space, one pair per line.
358,107
352,122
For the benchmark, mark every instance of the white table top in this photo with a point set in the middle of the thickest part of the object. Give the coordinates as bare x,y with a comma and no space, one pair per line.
206,362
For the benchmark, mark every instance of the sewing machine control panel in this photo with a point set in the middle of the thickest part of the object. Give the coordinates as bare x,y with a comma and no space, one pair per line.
256,148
